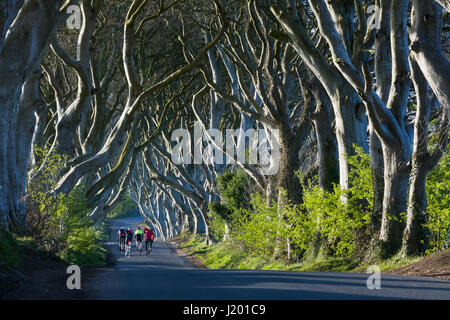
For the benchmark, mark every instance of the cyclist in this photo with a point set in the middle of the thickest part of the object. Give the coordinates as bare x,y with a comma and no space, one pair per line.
149,237
121,235
139,236
129,240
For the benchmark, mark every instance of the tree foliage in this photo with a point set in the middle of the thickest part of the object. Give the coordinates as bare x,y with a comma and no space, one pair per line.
60,223
438,209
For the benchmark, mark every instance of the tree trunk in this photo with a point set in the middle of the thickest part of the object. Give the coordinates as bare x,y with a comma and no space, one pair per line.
422,163
426,47
24,128
26,41
38,140
70,121
8,12
287,180
396,178
351,123
194,224
376,160
351,127
383,78
326,140
417,204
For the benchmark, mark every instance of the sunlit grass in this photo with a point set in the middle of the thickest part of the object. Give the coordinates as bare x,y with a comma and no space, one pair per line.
225,256
395,262
10,250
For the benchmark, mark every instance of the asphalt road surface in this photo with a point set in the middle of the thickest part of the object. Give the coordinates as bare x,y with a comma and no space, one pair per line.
163,275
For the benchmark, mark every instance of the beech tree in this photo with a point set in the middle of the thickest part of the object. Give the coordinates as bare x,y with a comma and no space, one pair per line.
386,118
328,76
29,31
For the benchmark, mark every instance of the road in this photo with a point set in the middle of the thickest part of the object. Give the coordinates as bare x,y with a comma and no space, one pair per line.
166,276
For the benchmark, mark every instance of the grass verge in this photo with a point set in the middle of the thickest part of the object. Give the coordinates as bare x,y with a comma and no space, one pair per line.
10,250
88,254
225,256
87,251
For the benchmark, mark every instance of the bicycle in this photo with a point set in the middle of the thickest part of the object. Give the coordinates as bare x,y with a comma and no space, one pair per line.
148,248
122,245
128,249
139,247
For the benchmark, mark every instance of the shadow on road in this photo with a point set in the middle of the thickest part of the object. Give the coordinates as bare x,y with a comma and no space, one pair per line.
166,276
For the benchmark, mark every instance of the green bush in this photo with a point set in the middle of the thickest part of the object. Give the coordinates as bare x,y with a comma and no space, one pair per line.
341,216
338,218
265,228
59,223
83,249
255,230
234,188
336,223
438,208
217,223
219,210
